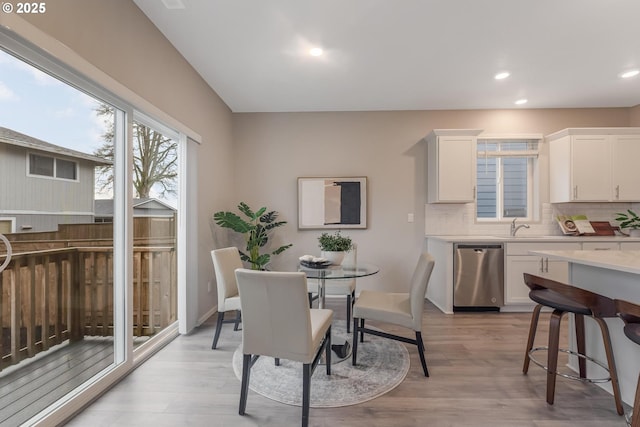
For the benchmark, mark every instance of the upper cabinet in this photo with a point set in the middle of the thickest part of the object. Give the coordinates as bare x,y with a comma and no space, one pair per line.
451,165
594,165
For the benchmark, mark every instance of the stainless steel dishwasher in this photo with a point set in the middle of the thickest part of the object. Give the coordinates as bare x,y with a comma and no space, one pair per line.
478,282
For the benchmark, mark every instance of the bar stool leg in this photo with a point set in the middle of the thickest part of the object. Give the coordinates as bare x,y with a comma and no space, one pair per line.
580,344
552,355
635,415
613,373
532,336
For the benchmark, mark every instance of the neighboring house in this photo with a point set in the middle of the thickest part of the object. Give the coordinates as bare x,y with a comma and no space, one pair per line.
43,185
142,208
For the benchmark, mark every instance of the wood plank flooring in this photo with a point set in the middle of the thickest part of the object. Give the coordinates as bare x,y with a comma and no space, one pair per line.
30,387
475,362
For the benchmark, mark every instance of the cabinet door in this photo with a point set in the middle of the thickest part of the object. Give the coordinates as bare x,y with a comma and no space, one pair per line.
590,168
625,150
516,292
630,246
456,169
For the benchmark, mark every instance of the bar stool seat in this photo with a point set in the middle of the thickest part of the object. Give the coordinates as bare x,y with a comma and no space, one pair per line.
564,298
630,314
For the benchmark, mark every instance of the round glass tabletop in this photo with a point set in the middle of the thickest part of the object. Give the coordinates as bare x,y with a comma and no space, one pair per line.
340,271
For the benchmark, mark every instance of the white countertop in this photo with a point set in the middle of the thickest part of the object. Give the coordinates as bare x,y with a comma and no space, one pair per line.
533,238
627,261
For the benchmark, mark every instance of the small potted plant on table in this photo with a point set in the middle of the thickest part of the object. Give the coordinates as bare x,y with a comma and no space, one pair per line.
334,246
629,220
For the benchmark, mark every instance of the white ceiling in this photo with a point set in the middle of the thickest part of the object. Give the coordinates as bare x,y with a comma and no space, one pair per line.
408,54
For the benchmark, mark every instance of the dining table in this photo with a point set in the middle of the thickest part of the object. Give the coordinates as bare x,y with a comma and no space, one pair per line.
322,273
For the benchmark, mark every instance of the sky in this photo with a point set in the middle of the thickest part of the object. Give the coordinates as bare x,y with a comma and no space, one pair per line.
38,105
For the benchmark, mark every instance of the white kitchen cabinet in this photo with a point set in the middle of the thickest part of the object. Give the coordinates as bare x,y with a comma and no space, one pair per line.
593,165
519,261
451,165
601,246
630,246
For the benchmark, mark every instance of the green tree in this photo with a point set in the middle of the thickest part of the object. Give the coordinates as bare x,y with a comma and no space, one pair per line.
155,158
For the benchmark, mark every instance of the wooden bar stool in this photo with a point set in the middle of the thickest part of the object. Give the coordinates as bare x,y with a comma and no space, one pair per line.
563,299
630,314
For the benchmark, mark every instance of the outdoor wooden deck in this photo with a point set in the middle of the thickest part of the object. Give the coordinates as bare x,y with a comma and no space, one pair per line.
31,386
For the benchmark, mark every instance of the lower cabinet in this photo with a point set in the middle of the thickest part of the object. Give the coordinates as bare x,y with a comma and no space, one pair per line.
519,261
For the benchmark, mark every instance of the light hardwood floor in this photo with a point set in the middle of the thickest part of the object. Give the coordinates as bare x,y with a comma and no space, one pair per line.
474,359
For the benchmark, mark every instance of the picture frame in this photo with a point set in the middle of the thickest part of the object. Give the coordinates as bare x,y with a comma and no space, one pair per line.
332,202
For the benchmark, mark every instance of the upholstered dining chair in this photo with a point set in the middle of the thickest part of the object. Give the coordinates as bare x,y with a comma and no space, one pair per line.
403,309
339,287
225,262
277,322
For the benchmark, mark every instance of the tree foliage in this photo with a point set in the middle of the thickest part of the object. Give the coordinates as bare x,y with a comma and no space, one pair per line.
155,158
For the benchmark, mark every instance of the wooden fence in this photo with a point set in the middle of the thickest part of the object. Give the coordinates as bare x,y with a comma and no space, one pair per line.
53,295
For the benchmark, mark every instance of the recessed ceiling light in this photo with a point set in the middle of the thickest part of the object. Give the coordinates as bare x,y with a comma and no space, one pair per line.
173,4
316,51
502,75
629,74
521,101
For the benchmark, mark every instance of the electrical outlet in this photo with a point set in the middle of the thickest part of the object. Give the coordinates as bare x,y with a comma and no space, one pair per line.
410,217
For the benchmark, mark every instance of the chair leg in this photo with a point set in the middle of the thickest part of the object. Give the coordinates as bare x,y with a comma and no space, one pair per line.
361,333
349,303
327,351
244,388
612,365
421,351
310,296
306,393
354,344
218,328
238,319
635,415
580,344
532,336
277,361
552,353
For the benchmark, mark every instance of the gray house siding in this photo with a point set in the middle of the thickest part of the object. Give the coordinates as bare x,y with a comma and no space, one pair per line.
40,203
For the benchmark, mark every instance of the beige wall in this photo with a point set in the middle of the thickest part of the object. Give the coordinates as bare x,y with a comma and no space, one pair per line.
274,149
634,116
116,37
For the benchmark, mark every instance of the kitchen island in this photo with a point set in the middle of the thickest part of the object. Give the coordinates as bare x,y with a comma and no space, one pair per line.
614,274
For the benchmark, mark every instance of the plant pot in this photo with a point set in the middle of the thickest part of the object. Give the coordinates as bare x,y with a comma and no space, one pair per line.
335,257
634,232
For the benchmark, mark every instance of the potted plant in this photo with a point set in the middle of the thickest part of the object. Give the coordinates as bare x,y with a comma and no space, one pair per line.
631,221
333,246
256,230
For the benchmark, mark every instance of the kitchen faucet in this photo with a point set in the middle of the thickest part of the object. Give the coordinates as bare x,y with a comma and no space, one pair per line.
514,228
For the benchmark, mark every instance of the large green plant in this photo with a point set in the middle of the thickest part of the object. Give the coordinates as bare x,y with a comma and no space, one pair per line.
256,230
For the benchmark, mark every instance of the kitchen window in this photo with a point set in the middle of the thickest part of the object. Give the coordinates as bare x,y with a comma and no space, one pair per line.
506,178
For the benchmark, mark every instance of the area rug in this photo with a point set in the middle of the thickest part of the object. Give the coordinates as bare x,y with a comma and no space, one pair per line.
382,365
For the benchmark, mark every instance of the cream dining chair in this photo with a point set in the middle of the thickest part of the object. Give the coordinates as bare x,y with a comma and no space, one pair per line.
403,309
277,322
225,262
341,287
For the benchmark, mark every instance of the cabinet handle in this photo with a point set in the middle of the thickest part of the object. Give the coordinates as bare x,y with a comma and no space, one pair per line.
546,260
541,265
575,191
601,249
474,192
617,192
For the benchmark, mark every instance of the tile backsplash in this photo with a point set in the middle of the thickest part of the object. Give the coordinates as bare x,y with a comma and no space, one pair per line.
459,219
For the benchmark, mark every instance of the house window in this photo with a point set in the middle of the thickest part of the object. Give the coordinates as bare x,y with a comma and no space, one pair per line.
52,167
506,175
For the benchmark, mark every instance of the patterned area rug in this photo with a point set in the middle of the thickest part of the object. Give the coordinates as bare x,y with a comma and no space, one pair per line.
382,365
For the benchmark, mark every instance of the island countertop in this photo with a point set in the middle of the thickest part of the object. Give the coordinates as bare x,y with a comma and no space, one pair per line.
626,261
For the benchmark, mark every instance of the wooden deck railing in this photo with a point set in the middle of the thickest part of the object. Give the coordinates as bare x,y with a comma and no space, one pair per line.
49,296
